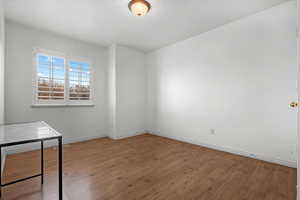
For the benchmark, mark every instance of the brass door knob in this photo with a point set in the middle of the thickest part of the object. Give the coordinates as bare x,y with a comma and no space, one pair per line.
294,104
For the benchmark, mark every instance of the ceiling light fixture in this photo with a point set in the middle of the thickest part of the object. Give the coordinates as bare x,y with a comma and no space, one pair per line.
139,7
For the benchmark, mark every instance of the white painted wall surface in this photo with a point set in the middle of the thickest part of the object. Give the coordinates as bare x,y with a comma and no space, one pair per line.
237,79
75,123
126,92
2,49
298,78
2,55
112,92
130,73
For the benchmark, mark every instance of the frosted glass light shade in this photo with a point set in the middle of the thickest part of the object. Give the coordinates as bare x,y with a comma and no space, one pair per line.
139,7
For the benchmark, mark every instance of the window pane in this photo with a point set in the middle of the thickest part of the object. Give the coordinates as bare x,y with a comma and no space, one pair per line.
57,83
44,82
85,77
43,59
59,62
58,74
44,94
50,77
73,76
74,66
43,66
43,89
57,94
85,68
79,81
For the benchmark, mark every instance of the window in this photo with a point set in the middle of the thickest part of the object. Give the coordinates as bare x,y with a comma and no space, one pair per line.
79,81
59,80
50,78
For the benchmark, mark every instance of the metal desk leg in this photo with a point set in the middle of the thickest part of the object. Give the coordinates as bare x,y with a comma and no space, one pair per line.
42,161
0,171
60,176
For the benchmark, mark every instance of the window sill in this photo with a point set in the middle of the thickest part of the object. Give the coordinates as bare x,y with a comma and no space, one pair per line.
60,105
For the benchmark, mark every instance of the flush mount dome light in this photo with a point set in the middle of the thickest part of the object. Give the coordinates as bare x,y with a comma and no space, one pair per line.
139,7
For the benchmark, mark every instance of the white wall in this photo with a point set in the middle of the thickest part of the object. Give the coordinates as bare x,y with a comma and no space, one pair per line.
298,78
112,91
131,92
75,123
127,92
2,52
237,79
2,48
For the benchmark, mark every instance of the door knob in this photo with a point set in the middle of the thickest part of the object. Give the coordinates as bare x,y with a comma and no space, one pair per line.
294,104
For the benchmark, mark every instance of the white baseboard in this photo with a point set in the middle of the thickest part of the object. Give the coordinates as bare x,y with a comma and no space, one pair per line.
128,136
235,151
82,139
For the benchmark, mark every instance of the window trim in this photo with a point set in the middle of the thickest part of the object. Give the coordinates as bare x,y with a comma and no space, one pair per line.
66,102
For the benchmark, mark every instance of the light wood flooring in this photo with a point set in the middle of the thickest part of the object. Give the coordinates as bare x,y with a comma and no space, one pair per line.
148,167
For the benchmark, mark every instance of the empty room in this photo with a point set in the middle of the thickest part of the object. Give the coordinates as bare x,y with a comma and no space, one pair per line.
149,99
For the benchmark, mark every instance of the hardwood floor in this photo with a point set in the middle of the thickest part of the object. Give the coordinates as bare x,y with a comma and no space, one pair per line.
148,167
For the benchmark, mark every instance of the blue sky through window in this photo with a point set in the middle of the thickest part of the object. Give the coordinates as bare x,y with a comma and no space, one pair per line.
45,68
79,72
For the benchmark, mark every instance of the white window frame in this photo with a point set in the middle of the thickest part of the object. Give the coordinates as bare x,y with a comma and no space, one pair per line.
66,102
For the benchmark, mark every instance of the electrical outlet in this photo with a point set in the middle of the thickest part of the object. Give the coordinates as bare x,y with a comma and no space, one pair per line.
212,131
292,154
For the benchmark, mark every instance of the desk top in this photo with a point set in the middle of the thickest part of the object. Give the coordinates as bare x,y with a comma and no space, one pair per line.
14,134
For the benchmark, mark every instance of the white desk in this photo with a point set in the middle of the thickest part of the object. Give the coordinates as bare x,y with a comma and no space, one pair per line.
23,133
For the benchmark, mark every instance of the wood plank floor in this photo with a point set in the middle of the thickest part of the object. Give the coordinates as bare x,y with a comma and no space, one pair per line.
148,167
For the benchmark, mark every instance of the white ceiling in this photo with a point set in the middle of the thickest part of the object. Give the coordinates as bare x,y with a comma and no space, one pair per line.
109,21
